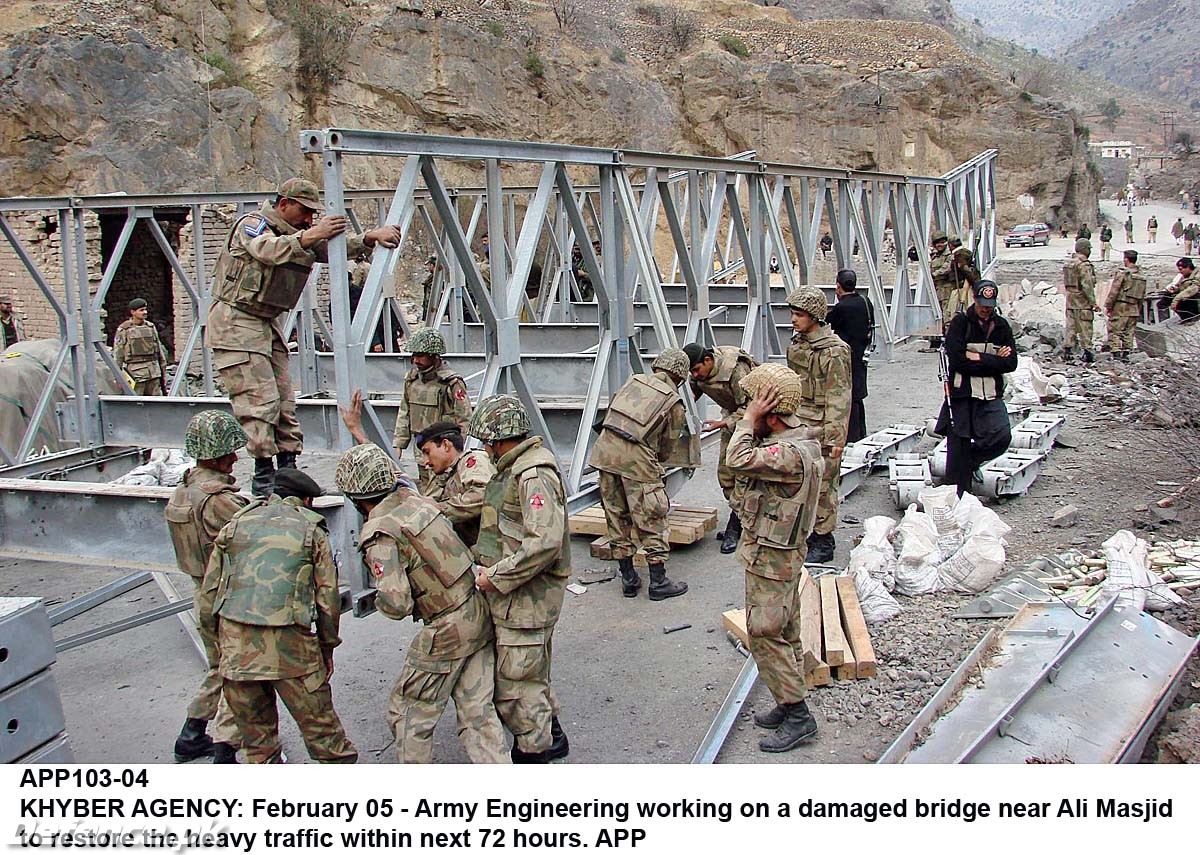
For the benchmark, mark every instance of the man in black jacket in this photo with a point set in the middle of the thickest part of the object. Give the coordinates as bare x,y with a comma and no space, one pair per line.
978,352
853,320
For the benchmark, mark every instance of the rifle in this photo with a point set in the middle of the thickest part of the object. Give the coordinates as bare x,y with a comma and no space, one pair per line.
944,374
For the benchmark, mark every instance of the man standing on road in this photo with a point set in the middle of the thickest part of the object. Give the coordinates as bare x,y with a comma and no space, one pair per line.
1123,305
853,321
524,551
1152,229
1177,230
781,466
644,430
1079,280
138,351
1106,238
718,372
258,279
979,352
823,362
433,392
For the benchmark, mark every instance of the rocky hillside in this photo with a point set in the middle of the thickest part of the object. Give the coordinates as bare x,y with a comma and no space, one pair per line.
122,95
1151,45
1048,25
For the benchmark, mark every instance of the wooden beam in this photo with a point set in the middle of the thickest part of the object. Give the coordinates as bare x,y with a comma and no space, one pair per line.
856,628
836,646
815,669
735,622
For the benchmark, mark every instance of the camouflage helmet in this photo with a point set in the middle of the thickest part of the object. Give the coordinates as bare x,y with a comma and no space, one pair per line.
1083,246
808,298
212,434
673,361
937,235
499,417
775,378
427,340
366,471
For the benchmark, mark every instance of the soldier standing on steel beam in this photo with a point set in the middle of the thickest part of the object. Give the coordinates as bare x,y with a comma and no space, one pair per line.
1079,280
823,362
779,465
205,500
433,392
718,373
420,567
644,430
138,351
524,551
258,279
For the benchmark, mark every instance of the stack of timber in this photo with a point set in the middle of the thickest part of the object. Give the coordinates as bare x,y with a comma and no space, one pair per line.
685,526
832,631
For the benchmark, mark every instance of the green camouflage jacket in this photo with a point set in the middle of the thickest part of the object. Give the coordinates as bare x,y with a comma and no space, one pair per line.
436,395
643,460
723,386
459,492
823,362
1079,280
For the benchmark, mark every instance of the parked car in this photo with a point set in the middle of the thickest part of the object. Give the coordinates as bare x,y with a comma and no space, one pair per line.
1028,234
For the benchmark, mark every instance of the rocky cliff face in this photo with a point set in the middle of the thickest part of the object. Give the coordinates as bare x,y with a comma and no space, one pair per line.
108,96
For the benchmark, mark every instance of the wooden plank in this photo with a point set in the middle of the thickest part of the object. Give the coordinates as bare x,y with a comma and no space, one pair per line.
815,668
588,521
684,525
735,622
601,549
836,646
856,628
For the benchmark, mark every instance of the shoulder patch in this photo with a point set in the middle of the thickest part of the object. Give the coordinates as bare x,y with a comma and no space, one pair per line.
471,461
254,225
773,450
460,393
537,502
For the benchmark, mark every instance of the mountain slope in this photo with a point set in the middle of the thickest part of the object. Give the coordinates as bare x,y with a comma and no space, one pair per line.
1048,25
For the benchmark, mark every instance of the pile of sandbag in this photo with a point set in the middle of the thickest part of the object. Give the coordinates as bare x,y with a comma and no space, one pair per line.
953,544
164,469
1030,385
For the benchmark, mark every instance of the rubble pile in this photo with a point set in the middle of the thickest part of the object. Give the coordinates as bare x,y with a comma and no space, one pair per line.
1146,576
1154,392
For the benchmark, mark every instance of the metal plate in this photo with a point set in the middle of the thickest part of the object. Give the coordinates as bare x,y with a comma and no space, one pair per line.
26,643
30,715
54,752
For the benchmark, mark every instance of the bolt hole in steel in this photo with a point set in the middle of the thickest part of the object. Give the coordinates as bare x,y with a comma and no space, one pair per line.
3,654
313,141
13,724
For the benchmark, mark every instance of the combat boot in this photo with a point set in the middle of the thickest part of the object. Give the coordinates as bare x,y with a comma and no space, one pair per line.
772,718
732,534
193,743
820,548
631,582
1088,357
264,477
797,727
286,460
662,588
223,752
1066,356
561,746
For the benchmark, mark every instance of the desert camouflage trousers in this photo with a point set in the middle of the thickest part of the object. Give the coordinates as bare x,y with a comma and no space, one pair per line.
260,390
147,387
1079,327
947,295
524,698
419,698
252,703
209,703
724,474
773,624
827,501
1120,333
630,505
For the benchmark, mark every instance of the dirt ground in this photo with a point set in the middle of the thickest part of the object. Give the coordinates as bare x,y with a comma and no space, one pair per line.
630,693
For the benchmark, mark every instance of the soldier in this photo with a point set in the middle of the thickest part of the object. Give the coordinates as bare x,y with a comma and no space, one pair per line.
270,580
1124,304
525,553
11,329
1183,300
941,268
431,266
460,477
823,362
421,568
782,466
966,275
433,392
718,372
205,500
644,429
1079,279
138,351
1106,238
258,279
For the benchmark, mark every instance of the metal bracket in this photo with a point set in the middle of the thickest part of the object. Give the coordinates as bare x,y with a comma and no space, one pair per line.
908,475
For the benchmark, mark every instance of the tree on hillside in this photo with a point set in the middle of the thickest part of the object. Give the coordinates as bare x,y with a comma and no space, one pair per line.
1110,111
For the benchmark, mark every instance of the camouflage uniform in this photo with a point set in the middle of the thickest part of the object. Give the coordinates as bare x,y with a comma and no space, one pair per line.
966,276
459,492
823,362
1187,289
421,568
138,352
259,279
524,543
201,505
438,394
645,428
1124,305
941,268
782,475
1079,279
723,386
270,579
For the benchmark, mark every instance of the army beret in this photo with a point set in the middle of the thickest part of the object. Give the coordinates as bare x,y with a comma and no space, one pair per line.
137,303
696,353
438,431
292,482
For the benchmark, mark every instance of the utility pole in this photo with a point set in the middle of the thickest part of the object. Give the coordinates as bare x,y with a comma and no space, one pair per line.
1169,118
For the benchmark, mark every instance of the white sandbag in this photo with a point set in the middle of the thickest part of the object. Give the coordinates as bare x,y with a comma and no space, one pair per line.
1130,576
147,475
877,604
973,516
975,566
916,580
874,553
916,537
165,468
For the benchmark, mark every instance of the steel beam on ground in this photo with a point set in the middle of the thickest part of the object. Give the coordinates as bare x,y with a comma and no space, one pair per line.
91,465
101,595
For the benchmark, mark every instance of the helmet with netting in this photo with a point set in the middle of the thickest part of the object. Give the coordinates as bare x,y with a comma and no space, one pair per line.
809,298
366,471
1083,246
673,361
427,340
499,417
212,434
937,235
774,377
